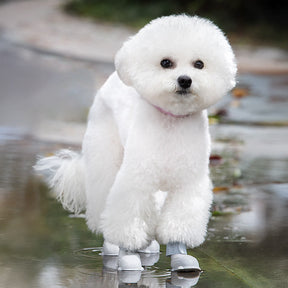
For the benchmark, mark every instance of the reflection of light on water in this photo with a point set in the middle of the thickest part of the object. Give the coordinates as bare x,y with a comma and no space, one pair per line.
268,211
49,277
152,272
252,221
92,252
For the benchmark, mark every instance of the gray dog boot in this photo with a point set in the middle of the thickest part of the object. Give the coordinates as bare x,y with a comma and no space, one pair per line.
180,261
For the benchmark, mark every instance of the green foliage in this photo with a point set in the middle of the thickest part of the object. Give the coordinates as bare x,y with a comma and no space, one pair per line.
134,13
257,18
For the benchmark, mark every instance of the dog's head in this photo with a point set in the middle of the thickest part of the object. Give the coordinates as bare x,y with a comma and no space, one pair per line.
179,63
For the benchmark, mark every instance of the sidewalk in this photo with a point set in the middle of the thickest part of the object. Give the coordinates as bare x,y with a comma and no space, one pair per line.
42,25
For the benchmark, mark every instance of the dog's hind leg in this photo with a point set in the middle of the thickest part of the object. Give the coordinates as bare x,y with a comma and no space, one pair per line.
102,152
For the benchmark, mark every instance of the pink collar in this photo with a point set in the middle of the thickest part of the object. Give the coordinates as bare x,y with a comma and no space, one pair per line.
169,113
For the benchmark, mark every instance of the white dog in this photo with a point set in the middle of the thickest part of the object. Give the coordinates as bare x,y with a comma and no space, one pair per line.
148,132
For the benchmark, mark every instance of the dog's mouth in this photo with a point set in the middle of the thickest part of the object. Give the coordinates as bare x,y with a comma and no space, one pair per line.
183,92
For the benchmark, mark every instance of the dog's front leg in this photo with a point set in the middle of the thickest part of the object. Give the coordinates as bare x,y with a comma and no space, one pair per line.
125,220
185,215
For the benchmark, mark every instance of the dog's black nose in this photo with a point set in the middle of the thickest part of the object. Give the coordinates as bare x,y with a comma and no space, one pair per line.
184,81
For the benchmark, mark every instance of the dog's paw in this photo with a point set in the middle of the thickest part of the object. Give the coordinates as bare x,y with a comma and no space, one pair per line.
131,236
190,233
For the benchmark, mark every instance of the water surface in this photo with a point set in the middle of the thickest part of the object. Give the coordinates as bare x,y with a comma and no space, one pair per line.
41,245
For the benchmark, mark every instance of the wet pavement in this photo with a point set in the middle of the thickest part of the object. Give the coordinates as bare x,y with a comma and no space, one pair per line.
43,246
44,101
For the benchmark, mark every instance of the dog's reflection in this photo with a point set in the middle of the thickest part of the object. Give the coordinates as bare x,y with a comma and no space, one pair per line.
177,280
142,279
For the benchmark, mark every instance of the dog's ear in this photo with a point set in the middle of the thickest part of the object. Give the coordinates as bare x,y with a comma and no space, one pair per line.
123,63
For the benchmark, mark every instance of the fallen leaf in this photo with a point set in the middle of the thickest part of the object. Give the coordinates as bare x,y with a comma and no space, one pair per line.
220,189
215,159
240,92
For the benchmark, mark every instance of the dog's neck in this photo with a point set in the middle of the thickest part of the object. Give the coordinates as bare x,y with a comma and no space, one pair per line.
169,113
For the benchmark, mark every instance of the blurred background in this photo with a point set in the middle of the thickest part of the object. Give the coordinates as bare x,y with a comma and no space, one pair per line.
54,55
253,21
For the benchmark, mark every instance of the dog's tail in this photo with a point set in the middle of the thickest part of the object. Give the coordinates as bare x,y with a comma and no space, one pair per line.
64,174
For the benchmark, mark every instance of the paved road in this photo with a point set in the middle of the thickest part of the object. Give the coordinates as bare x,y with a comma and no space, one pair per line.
36,87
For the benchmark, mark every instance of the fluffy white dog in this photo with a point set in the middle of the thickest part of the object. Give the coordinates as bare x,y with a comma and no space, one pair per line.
148,132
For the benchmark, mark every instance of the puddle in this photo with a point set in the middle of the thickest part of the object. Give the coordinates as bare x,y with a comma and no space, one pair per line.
46,247
249,155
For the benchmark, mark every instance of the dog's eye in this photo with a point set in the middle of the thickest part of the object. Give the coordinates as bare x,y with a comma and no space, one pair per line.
166,63
198,64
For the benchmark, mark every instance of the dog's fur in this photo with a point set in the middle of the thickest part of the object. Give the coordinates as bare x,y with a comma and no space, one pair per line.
144,137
